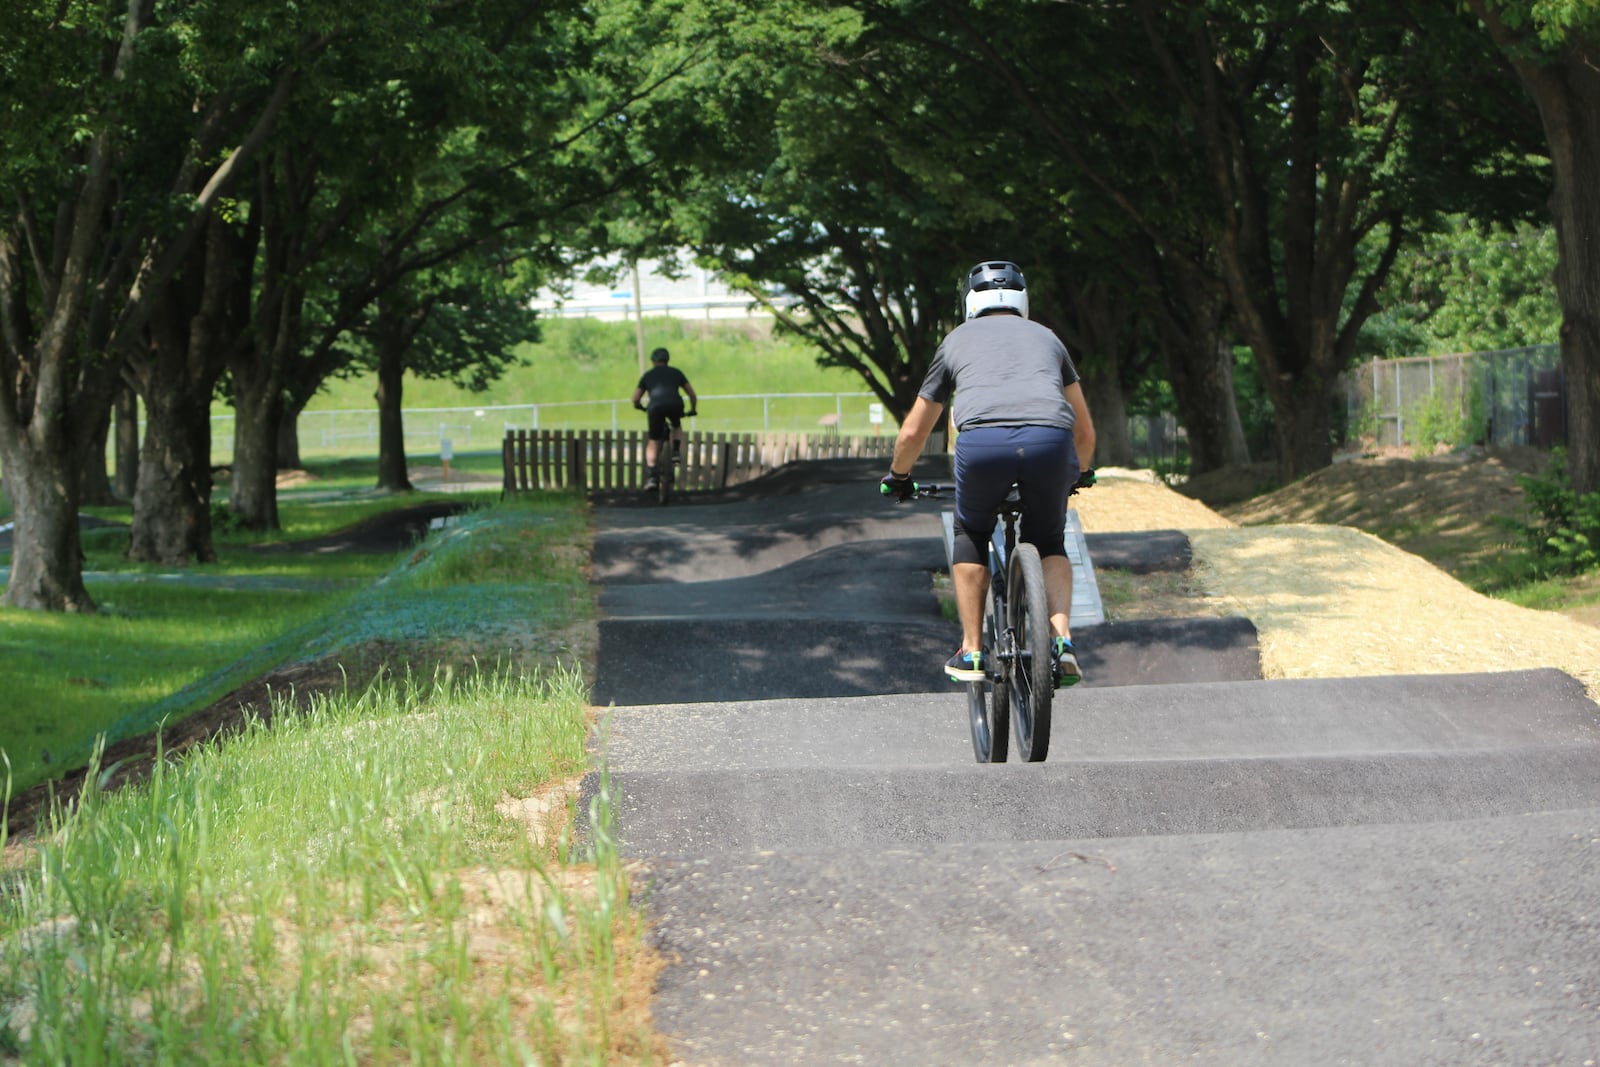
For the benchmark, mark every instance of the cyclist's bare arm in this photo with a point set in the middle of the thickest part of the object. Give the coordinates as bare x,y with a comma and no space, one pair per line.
1082,425
919,423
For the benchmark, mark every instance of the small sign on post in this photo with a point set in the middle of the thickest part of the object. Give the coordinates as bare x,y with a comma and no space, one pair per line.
447,452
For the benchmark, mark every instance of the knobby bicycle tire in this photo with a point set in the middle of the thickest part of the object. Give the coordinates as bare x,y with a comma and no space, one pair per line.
989,713
1028,616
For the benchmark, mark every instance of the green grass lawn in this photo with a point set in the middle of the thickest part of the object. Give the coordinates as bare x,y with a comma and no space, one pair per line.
385,877
174,644
585,359
168,641
583,372
69,678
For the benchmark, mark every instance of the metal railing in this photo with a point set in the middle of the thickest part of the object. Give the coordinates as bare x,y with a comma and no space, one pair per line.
481,428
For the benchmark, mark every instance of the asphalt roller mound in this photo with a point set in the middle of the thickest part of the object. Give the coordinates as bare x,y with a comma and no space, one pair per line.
1210,867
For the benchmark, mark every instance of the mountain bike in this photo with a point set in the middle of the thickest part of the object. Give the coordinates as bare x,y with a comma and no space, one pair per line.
668,456
1022,674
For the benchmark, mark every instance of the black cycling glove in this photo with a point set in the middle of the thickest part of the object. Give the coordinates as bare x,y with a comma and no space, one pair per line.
1086,478
899,486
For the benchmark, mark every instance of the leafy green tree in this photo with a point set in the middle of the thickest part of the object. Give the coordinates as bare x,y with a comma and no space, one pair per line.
1469,288
1256,146
349,201
555,107
464,326
97,230
1554,47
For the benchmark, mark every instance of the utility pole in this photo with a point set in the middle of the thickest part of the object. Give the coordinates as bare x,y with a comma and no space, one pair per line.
638,316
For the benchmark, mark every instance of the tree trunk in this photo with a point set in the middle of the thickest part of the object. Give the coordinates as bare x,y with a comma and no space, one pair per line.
177,375
1292,209
289,438
172,505
1093,319
1188,319
127,438
258,411
258,404
1566,87
1108,407
46,551
95,484
1208,407
391,344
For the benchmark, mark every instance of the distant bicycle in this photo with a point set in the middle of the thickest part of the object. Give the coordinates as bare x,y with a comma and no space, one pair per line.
1022,673
663,475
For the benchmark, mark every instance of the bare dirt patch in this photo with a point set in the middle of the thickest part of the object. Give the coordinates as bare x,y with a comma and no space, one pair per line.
1330,600
1443,508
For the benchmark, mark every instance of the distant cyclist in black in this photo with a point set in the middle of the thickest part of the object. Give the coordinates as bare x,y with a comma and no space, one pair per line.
665,409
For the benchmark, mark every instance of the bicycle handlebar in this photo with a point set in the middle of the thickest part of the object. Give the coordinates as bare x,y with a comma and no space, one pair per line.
1086,479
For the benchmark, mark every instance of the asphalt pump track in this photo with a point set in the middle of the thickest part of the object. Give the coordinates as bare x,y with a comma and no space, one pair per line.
1210,867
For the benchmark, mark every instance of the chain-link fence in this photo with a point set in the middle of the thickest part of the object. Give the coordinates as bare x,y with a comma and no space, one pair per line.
1158,442
1510,396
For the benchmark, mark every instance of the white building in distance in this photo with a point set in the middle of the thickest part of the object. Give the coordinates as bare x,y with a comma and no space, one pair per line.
698,294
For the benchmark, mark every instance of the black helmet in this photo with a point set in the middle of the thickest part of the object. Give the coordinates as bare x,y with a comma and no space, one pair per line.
660,355
994,284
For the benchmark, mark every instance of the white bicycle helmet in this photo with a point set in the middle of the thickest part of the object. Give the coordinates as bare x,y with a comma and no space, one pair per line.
995,284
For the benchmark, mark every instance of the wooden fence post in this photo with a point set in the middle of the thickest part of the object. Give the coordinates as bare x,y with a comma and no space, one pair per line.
576,475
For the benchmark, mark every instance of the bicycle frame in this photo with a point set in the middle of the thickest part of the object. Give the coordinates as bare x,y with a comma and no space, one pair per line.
1019,661
1001,545
1017,692
665,467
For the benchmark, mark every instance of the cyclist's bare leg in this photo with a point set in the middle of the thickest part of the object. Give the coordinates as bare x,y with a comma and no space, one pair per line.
971,581
1058,594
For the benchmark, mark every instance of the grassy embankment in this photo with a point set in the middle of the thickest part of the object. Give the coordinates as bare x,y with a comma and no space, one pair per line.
164,645
594,366
369,881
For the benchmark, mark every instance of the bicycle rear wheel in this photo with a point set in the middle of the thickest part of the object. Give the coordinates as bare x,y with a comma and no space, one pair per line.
663,479
989,713
1029,669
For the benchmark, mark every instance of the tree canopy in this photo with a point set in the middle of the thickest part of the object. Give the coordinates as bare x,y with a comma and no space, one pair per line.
249,196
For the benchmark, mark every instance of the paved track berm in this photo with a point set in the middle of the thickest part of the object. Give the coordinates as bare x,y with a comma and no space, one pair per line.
1209,868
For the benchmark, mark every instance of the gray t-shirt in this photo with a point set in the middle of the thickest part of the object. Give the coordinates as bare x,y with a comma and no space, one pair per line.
1004,371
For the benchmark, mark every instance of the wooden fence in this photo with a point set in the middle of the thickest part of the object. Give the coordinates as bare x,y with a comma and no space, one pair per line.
614,459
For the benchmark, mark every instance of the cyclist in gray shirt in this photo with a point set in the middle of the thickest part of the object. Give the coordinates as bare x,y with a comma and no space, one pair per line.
1022,419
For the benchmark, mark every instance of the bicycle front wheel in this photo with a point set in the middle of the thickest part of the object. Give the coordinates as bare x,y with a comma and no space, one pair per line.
988,711
1029,668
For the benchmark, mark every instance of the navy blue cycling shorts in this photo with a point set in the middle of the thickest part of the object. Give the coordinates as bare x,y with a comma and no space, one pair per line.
1041,460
